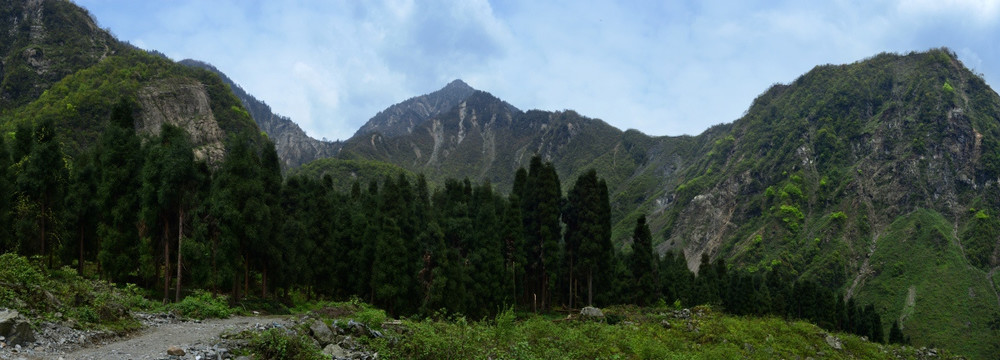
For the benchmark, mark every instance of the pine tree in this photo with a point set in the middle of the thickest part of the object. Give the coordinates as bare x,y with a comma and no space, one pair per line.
588,234
168,176
82,206
642,264
896,334
542,229
41,180
119,160
6,199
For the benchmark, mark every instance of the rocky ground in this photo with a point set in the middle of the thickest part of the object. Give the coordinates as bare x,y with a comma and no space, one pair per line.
195,339
168,338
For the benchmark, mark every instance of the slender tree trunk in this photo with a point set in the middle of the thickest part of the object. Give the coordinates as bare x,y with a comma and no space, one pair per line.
166,262
79,265
263,283
180,236
570,294
246,275
590,287
43,234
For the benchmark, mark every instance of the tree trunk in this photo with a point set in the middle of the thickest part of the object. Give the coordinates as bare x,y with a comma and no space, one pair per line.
246,275
43,234
79,265
166,262
590,287
570,295
263,283
180,236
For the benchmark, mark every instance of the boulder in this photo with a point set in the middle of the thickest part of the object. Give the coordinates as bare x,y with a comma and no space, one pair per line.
336,351
175,351
15,329
322,333
591,312
834,342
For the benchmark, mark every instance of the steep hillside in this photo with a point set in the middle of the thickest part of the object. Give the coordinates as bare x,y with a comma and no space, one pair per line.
85,71
294,147
43,41
878,177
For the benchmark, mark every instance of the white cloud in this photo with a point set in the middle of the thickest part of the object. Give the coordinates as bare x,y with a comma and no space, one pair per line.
665,68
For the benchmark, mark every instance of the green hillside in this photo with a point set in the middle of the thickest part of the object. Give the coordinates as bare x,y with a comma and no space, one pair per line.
820,176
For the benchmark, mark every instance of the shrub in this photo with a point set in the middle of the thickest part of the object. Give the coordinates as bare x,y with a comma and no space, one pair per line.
281,344
202,305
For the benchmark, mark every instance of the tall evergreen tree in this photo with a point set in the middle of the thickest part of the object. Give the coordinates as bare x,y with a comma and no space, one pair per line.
119,160
588,231
41,182
541,215
642,265
82,208
168,181
6,199
240,209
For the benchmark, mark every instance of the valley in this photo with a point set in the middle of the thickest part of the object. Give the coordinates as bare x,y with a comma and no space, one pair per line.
874,183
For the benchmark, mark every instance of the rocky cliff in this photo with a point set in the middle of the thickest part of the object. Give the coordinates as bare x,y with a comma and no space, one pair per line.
184,103
294,147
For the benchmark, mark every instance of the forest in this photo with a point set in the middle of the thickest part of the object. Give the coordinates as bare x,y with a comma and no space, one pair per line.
142,209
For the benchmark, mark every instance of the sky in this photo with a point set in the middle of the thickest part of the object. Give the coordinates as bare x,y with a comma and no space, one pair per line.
661,67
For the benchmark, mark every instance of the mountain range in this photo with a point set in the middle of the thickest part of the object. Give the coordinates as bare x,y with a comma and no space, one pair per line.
879,178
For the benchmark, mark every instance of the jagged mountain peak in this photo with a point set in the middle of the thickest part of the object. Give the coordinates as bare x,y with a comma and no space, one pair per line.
403,118
457,85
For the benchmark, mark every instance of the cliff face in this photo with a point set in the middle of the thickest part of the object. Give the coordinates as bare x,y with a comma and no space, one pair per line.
293,146
405,117
183,103
42,41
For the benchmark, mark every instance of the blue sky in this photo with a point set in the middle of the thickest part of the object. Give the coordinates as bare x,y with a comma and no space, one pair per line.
662,67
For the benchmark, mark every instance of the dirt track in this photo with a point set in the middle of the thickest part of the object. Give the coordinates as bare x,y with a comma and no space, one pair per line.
152,343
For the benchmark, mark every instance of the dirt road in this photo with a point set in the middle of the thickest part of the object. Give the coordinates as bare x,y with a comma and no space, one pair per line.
195,338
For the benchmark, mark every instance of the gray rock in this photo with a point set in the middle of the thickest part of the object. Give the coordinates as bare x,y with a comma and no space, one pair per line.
591,312
175,351
834,342
322,333
336,351
15,329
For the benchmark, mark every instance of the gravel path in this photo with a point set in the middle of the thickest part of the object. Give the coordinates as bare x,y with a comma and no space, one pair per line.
195,338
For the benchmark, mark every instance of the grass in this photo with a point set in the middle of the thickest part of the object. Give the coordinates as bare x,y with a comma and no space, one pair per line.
639,333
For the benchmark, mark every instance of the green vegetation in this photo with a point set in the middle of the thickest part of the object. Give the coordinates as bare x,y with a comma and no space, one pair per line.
61,294
637,333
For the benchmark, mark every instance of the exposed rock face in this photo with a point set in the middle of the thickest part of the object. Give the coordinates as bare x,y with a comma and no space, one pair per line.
293,146
36,51
15,329
403,118
183,103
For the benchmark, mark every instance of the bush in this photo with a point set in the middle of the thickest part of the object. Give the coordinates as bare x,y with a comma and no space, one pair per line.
203,305
280,344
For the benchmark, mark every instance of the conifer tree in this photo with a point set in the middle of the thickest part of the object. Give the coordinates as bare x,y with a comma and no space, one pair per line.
119,160
896,334
6,199
542,229
642,264
588,235
41,181
82,210
167,177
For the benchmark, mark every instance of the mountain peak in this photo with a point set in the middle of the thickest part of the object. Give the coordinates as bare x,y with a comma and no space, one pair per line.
457,84
402,118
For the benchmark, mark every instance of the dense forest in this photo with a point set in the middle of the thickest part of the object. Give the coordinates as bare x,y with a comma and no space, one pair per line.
141,209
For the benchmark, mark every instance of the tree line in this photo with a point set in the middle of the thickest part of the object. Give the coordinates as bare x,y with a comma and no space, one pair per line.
144,210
